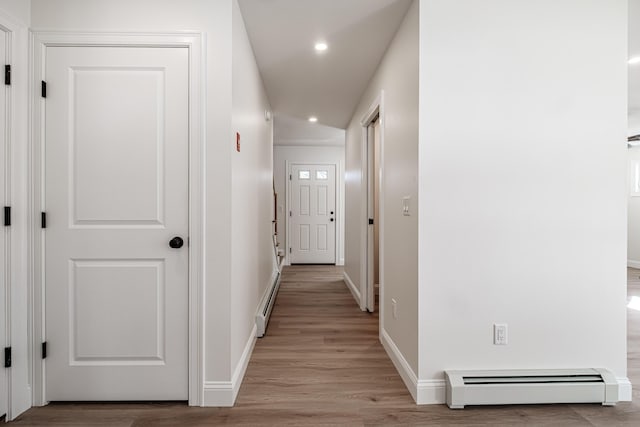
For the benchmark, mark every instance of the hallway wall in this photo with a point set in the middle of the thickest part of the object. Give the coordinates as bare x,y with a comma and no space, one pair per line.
252,256
397,76
18,9
523,207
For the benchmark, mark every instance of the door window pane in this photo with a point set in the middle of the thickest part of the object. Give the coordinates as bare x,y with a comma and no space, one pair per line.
322,175
304,175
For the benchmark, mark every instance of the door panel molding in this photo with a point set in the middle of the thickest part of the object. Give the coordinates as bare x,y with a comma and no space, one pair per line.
193,41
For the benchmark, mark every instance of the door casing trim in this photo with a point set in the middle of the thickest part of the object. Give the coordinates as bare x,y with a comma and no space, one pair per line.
17,384
194,41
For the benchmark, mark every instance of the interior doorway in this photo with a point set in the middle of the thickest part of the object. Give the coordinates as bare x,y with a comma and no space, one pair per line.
163,309
374,199
117,201
372,177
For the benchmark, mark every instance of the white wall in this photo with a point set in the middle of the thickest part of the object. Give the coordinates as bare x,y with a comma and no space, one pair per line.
522,185
252,256
226,105
309,154
397,75
19,10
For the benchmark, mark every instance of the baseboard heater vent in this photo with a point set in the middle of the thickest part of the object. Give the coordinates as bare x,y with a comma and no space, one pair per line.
264,312
531,387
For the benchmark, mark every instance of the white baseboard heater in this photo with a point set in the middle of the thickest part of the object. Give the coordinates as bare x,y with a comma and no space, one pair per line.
531,387
264,311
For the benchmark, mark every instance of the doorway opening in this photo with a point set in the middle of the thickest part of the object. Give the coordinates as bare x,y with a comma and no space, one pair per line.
373,216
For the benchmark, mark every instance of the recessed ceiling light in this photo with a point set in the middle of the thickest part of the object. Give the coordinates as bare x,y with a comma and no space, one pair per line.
634,60
321,47
313,119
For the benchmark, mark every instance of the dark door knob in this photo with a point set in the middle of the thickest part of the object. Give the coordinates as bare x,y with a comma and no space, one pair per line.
331,220
176,242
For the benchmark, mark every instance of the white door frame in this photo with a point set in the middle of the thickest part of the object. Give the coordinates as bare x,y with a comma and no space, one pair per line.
193,42
288,165
366,192
17,36
5,200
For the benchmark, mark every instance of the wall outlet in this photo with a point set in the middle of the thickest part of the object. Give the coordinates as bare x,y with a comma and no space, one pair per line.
500,333
394,308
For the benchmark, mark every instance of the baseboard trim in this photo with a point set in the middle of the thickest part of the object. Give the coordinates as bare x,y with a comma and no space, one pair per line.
432,392
243,363
625,390
218,394
224,393
633,264
352,287
402,366
424,392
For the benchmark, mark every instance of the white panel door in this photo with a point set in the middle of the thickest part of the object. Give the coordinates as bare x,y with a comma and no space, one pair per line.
312,214
4,231
116,190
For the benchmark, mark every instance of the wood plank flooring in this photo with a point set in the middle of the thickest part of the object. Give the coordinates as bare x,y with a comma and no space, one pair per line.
321,364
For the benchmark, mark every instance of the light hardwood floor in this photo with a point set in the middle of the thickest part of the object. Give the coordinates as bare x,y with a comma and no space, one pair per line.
321,364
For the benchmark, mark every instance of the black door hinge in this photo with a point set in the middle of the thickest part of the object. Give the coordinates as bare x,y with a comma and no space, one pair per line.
44,350
43,219
290,177
370,221
44,89
7,357
7,216
7,75
289,250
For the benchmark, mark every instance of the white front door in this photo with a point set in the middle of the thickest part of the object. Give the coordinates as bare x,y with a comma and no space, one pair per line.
116,194
312,214
4,233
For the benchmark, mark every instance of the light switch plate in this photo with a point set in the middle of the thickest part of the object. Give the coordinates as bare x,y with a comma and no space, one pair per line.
405,206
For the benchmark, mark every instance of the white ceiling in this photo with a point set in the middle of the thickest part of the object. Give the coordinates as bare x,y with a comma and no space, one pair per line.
634,50
300,82
289,130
